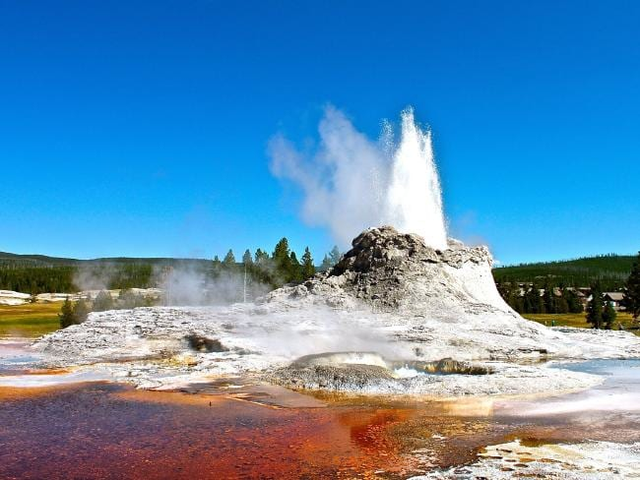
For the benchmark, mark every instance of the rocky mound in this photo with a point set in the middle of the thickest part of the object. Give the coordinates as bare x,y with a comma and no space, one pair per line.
397,272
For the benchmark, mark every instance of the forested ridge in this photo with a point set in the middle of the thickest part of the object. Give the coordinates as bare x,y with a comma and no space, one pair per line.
610,270
39,273
565,286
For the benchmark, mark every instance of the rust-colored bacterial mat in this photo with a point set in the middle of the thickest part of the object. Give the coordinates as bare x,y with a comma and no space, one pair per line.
101,430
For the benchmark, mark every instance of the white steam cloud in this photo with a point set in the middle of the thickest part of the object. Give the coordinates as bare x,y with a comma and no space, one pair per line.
352,182
193,287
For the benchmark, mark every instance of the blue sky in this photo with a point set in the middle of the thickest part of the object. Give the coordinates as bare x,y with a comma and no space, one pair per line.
140,128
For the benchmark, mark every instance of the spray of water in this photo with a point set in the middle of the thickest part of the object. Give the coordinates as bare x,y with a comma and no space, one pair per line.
351,182
414,198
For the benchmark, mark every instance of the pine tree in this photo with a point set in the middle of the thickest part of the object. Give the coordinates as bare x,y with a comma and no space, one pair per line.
609,316
281,250
295,269
229,259
533,300
548,301
282,260
507,292
594,307
562,306
308,270
80,311
573,302
216,266
632,290
103,302
73,314
516,299
247,259
261,257
66,315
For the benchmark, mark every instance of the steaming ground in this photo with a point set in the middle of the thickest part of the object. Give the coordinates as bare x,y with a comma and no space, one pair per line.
390,306
147,347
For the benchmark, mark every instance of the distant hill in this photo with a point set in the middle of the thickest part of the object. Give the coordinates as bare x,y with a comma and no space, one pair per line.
35,274
42,274
33,260
611,270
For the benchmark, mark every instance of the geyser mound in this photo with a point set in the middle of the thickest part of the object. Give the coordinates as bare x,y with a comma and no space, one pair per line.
399,272
412,319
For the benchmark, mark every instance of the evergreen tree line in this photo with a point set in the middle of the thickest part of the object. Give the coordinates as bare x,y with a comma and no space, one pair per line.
611,271
631,290
35,280
534,298
60,279
257,271
124,276
280,267
600,313
266,269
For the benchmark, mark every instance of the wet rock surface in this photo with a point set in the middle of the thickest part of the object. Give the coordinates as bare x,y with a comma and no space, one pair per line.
449,366
353,377
369,372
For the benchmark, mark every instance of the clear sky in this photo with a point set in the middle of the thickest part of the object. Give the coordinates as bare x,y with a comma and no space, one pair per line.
140,128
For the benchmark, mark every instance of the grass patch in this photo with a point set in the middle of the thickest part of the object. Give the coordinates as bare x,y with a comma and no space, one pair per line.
578,320
29,320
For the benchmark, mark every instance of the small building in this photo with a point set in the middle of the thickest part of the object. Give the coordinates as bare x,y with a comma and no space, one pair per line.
615,299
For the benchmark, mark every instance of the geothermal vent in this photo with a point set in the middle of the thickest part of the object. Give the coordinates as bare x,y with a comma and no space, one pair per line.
394,271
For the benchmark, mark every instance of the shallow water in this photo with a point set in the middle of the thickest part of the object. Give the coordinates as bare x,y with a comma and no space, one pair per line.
237,428
618,394
15,356
629,368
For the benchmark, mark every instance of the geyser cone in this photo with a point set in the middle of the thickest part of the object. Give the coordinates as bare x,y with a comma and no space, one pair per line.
395,271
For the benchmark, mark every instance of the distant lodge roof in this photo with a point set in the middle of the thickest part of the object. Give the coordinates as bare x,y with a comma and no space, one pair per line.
614,296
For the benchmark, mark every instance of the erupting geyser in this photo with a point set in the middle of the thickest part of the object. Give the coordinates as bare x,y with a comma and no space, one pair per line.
414,198
403,305
352,183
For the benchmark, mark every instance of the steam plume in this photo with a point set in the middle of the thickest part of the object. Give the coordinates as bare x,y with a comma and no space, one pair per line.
352,182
